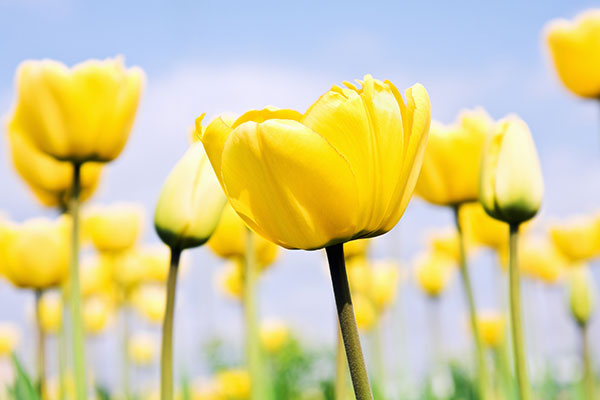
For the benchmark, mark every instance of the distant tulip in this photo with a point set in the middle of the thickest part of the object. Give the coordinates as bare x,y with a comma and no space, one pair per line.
230,279
575,49
274,335
582,294
578,238
36,253
150,302
50,180
155,259
356,248
141,349
386,277
511,179
115,227
229,239
538,259
50,307
446,242
190,203
234,384
366,313
344,170
480,228
96,275
78,114
492,328
9,338
433,272
450,172
97,314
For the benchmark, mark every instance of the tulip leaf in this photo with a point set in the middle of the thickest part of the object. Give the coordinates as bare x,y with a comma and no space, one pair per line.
23,388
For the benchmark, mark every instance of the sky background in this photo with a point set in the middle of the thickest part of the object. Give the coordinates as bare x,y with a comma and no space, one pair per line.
216,56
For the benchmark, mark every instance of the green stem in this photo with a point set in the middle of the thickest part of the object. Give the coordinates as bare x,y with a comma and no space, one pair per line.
482,374
515,315
75,295
345,310
435,330
41,350
125,349
503,370
62,348
253,350
341,367
379,384
587,363
166,357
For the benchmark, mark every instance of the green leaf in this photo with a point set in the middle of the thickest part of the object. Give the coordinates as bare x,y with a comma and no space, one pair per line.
23,388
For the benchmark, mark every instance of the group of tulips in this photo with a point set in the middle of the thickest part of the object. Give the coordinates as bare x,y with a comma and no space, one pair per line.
342,171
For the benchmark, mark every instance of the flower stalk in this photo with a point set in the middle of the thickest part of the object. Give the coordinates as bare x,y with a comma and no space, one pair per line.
482,374
347,320
166,357
588,370
515,315
75,293
41,349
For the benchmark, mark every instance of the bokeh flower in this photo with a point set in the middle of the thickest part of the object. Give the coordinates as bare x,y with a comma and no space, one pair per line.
50,307
492,328
577,238
274,334
433,272
115,227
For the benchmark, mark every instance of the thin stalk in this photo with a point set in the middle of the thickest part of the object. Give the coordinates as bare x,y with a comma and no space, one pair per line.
77,334
166,356
503,369
587,363
62,348
125,350
253,350
515,315
341,367
41,346
435,330
482,374
379,384
345,310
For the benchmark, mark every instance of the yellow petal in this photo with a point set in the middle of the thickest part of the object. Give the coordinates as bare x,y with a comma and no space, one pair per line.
289,184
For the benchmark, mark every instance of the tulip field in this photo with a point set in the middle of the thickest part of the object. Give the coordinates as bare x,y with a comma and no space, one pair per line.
235,232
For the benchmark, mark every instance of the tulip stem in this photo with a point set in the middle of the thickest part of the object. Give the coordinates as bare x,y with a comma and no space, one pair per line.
253,350
125,349
62,347
482,375
347,320
515,315
379,384
41,350
341,367
75,297
166,356
587,363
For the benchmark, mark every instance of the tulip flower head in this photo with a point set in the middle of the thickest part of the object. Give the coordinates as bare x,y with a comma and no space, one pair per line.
50,180
78,114
50,309
141,349
450,172
433,273
356,248
230,279
578,238
582,294
190,203
386,277
150,301
366,312
575,49
538,258
445,241
492,328
114,228
479,228
36,252
344,170
234,384
511,184
9,338
97,314
274,334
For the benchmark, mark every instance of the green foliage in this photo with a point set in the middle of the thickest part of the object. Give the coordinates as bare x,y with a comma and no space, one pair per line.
22,388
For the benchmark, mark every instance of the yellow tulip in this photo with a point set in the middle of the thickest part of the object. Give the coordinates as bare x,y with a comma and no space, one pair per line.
96,275
491,328
50,180
230,237
190,203
9,338
577,238
366,313
511,184
150,302
142,349
155,259
36,252
445,241
115,227
356,248
230,279
50,309
206,390
538,259
433,272
482,229
450,172
234,384
78,114
575,49
360,276
274,335
128,268
582,294
386,277
97,314
344,170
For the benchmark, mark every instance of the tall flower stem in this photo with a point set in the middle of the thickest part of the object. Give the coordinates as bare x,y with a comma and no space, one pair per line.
379,384
588,372
166,356
515,315
41,349
62,347
125,350
482,374
345,310
253,350
341,367
435,332
77,335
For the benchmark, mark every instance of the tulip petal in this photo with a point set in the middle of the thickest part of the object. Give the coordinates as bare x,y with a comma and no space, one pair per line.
289,184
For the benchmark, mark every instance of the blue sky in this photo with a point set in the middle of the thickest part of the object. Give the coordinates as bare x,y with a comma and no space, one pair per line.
215,56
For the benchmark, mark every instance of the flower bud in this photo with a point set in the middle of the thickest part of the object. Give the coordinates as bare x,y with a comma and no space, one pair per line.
191,202
511,184
581,295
